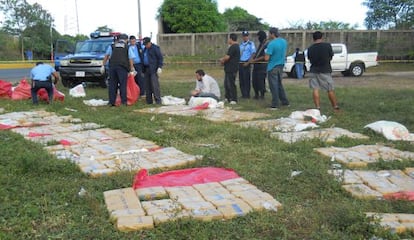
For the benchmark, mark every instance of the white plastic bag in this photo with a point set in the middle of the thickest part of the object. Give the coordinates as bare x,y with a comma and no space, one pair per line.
390,130
77,91
170,100
196,101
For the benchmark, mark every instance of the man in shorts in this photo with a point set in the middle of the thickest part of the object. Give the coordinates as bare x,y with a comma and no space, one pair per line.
320,55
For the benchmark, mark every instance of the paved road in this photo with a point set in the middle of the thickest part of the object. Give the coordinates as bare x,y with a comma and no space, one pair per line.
14,75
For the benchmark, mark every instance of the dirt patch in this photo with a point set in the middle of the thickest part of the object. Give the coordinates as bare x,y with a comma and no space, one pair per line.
389,80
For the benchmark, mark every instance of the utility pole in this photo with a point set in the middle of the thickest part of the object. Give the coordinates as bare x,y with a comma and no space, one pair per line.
77,18
139,20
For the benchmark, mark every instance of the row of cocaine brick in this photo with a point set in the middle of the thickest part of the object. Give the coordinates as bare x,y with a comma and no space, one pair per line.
211,114
396,222
375,184
362,155
97,151
142,208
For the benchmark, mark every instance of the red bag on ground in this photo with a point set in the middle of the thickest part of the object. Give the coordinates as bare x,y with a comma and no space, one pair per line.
57,95
133,92
5,89
22,91
184,177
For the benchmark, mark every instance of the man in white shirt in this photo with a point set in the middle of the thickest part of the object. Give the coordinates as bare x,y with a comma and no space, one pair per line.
206,86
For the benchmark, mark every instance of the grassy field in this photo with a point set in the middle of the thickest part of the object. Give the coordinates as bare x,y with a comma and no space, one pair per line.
39,193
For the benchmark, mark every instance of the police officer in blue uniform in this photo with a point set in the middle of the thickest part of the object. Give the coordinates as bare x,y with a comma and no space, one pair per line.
138,49
41,76
247,51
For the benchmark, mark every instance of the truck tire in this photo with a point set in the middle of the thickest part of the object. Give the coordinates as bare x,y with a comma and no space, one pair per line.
103,83
65,82
356,69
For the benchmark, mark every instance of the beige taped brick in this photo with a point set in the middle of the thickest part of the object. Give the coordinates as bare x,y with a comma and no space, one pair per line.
234,208
234,181
115,214
193,205
206,214
362,191
126,224
161,206
151,193
165,217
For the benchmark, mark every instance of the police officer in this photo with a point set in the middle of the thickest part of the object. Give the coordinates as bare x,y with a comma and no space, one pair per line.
41,76
137,47
153,62
299,57
120,62
247,51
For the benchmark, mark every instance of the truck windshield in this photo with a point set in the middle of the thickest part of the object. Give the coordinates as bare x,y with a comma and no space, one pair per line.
92,46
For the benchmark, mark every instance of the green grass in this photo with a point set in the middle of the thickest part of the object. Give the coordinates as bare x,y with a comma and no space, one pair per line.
39,193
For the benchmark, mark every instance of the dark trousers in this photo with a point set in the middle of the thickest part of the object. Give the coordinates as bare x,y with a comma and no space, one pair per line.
245,80
230,86
259,85
37,85
152,85
139,78
118,80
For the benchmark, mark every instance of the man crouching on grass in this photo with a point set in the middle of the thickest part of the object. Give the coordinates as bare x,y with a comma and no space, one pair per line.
206,86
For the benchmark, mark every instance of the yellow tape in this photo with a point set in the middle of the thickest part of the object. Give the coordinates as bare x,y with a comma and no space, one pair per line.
20,64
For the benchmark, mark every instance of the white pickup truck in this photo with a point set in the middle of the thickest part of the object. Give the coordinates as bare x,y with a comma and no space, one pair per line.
349,64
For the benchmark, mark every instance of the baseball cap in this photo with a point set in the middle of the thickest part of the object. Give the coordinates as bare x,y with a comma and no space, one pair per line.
245,33
146,40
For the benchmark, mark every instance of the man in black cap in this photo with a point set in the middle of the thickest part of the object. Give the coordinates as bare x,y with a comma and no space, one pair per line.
247,51
120,62
153,62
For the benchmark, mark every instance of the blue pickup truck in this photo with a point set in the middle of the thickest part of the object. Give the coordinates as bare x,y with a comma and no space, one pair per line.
85,63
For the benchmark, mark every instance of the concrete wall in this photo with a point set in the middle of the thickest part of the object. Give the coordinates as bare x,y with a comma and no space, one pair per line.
390,44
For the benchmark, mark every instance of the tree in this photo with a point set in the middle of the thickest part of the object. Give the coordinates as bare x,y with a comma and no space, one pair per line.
331,25
190,16
29,22
104,28
238,19
386,14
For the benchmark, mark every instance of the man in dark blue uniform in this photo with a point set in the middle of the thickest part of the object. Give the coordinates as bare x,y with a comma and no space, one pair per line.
153,62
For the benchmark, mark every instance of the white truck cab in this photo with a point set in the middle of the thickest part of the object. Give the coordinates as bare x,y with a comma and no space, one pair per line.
349,64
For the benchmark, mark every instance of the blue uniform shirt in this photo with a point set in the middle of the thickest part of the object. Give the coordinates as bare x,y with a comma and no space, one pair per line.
41,72
247,49
134,48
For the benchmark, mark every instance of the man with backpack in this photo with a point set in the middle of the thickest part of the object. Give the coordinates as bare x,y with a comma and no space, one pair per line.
299,57
120,62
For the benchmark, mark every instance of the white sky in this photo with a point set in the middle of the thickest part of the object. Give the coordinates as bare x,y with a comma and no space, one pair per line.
122,15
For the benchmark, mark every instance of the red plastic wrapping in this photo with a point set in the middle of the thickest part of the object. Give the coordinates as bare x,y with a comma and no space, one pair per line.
405,195
57,95
5,89
184,177
22,91
133,92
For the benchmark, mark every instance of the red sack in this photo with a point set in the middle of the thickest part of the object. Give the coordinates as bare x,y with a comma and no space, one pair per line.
133,92
22,91
57,95
5,89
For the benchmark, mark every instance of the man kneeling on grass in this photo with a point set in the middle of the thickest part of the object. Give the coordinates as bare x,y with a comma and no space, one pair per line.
206,86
